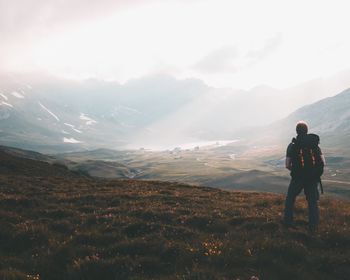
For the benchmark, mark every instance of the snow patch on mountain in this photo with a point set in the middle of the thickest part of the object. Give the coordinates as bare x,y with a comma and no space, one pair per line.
17,94
89,121
70,125
73,127
48,111
71,140
4,96
5,103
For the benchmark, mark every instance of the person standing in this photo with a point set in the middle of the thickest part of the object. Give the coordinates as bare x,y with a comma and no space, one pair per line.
305,161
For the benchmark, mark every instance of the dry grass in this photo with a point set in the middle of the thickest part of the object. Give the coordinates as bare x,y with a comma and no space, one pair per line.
71,227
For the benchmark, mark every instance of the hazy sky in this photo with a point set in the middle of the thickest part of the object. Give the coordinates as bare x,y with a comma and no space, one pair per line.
226,43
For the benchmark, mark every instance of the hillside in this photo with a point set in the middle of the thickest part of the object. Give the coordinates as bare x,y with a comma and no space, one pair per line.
58,225
329,117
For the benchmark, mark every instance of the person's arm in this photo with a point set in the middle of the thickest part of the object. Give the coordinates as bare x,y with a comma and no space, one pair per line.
322,157
288,163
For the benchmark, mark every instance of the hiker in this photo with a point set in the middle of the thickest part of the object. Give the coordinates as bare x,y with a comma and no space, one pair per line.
306,162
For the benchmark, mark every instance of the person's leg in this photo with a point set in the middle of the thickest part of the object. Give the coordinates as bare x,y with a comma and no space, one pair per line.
312,195
294,189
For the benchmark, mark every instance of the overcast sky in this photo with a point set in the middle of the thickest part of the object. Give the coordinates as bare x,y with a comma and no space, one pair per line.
226,43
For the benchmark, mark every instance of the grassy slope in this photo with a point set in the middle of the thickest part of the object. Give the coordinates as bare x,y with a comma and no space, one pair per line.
58,225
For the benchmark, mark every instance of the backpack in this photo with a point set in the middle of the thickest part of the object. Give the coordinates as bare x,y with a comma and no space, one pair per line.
307,162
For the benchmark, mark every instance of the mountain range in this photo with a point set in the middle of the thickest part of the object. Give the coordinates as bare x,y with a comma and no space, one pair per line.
48,114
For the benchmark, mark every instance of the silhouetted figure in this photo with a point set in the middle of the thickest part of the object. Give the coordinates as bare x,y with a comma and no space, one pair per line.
305,161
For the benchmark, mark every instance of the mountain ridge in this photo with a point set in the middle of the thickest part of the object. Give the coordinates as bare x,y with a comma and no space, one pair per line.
329,117
65,115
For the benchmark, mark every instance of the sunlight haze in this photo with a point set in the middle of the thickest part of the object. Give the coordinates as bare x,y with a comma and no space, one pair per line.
238,44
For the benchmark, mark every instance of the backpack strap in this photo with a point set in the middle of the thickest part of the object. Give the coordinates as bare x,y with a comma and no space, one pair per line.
321,186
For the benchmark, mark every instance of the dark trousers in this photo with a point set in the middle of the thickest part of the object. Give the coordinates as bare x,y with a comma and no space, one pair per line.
312,195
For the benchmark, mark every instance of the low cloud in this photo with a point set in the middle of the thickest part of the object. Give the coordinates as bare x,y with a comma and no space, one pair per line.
218,61
18,18
24,24
269,47
228,60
